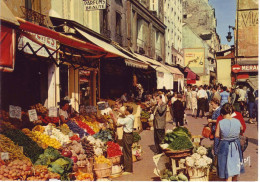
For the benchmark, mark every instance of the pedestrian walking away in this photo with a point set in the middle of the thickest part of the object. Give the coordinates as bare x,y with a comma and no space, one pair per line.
202,96
178,111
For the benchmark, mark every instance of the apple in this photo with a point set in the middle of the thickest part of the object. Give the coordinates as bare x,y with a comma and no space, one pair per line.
74,158
66,153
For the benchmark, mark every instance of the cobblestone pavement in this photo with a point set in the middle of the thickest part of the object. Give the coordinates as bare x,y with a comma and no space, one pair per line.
143,169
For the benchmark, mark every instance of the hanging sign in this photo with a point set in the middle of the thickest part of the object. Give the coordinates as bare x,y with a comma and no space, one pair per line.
15,112
53,112
95,4
32,115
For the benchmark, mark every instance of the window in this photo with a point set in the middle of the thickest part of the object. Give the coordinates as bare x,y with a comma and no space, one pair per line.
28,4
184,16
105,20
118,24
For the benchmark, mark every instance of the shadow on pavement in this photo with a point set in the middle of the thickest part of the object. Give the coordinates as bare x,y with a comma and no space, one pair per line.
156,179
253,141
152,148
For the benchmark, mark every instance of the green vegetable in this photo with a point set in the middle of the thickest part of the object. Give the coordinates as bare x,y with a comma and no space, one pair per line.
179,130
182,177
52,153
137,137
181,143
173,178
30,148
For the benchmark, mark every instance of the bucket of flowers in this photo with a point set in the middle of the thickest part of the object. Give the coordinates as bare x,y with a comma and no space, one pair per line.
198,165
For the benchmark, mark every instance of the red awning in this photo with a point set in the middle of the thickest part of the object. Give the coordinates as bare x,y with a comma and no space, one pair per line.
191,81
242,76
70,41
7,51
190,74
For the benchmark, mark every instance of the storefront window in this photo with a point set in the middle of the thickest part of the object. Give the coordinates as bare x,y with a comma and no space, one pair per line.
85,89
64,82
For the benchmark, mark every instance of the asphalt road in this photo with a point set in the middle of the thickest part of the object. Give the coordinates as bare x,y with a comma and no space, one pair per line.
143,169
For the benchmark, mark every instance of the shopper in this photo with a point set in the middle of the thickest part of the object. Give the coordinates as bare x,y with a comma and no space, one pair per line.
128,138
230,158
159,122
202,96
224,97
251,105
193,100
188,98
63,111
178,109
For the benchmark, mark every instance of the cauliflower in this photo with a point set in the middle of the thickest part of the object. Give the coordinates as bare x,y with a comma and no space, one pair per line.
182,161
202,150
168,131
208,160
98,151
196,156
201,163
164,146
190,161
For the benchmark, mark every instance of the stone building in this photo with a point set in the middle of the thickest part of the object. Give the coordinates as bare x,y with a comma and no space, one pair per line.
173,34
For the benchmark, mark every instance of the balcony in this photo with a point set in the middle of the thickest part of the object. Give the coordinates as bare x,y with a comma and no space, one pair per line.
34,16
119,39
106,33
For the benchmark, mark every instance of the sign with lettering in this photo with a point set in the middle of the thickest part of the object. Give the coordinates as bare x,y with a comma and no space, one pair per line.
49,42
53,112
15,112
95,4
32,115
244,68
195,59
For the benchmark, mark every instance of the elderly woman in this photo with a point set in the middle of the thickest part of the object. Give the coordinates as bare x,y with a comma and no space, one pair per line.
230,159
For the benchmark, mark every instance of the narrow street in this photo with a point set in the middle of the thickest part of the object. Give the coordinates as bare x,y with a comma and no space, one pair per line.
143,170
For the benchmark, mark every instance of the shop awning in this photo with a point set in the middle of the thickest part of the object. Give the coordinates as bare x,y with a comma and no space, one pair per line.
6,14
64,39
190,74
177,73
114,52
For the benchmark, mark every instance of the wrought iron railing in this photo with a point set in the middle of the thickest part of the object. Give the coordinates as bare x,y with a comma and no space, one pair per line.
34,16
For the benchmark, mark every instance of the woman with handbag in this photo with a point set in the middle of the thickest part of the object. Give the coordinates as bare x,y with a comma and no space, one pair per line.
230,156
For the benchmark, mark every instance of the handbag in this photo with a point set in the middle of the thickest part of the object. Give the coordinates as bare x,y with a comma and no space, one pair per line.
243,142
207,132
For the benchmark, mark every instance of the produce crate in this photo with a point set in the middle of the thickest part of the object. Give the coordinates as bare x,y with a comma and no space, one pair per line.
102,172
88,168
115,160
177,153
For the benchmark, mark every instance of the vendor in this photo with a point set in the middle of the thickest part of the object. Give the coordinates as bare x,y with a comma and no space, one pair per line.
119,108
128,138
63,111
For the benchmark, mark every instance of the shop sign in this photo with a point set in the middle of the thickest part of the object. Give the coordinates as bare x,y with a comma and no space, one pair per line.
95,4
49,42
245,68
53,112
32,115
15,112
236,68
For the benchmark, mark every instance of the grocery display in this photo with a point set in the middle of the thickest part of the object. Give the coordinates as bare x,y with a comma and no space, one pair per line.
82,149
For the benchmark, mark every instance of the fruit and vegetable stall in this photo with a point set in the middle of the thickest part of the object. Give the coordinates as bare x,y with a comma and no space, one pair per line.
83,149
183,158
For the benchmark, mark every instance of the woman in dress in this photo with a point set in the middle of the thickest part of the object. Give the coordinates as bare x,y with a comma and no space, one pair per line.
188,98
230,159
193,100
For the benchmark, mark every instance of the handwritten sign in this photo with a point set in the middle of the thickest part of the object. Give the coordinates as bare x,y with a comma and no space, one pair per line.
4,155
53,112
94,5
15,112
32,115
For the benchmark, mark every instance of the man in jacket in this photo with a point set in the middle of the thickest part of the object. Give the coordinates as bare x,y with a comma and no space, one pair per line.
178,109
159,122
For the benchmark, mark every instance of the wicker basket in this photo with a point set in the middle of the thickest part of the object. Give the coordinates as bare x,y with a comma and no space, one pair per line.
199,174
177,153
102,172
115,160
88,168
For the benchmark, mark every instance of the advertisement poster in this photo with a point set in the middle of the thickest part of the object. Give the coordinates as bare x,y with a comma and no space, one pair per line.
195,59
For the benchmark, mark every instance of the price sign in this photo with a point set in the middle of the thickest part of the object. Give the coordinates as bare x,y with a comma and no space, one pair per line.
15,112
53,112
32,115
4,155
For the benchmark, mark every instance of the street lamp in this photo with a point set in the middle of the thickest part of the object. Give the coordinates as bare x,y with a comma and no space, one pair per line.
229,36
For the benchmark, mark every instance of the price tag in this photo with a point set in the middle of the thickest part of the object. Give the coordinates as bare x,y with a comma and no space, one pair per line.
4,155
53,112
32,115
15,112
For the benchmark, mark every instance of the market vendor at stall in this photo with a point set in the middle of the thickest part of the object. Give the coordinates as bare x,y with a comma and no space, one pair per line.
63,111
128,125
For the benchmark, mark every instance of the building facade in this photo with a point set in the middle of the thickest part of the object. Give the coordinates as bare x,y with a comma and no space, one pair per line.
173,34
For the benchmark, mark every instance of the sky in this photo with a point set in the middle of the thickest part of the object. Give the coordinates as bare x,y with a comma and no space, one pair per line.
225,11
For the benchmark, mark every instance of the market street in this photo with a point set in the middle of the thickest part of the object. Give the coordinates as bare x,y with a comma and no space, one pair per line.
143,170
